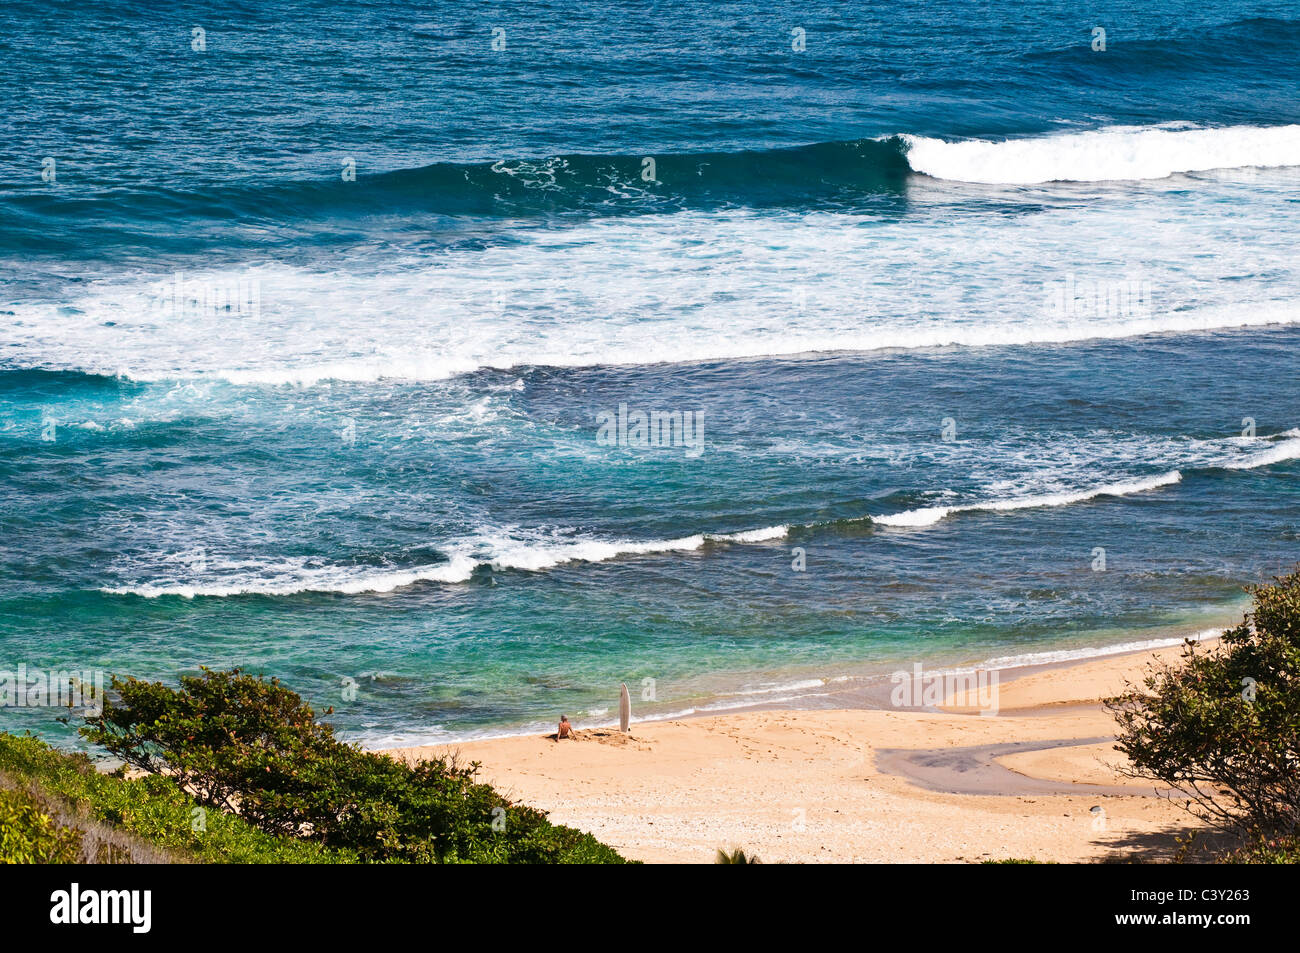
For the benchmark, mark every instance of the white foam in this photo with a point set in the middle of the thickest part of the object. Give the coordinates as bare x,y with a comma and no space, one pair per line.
1207,454
1288,449
928,516
756,535
497,550
729,347
531,552
533,557
693,286
279,580
1119,153
1099,651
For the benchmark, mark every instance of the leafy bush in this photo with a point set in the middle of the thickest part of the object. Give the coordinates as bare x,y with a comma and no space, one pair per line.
143,820
28,835
1266,850
235,742
1224,726
737,856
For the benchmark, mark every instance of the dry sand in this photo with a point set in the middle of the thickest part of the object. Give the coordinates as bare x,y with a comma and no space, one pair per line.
1035,781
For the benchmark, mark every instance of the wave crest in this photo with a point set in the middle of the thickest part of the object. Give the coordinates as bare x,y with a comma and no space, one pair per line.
1121,153
928,516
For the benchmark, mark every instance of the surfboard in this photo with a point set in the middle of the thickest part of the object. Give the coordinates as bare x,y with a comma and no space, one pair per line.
624,709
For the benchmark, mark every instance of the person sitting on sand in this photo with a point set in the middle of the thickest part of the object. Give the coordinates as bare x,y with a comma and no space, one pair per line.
566,729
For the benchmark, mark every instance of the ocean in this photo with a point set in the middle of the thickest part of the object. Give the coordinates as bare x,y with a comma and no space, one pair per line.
458,365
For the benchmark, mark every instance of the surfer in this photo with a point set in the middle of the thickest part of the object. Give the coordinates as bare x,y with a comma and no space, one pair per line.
566,729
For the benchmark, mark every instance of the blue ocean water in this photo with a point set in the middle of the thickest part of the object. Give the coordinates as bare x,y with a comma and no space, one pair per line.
326,331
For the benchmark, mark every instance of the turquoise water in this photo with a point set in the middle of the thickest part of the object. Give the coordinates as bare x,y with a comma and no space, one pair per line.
986,339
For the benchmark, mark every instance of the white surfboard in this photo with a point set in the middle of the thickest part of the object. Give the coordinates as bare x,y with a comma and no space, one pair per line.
624,709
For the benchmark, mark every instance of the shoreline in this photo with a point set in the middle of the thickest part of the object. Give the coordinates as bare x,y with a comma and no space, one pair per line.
1037,780
855,685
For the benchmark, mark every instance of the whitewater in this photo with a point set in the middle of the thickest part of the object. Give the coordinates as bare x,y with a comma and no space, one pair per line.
500,551
303,350
728,284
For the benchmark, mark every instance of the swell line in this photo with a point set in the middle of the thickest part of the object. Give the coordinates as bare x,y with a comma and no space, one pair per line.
530,556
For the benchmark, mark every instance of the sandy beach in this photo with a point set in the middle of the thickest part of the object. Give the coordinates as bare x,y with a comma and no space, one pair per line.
1037,780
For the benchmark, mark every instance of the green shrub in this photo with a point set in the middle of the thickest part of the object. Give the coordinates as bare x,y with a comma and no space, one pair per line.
143,820
1265,850
28,835
1224,726
234,741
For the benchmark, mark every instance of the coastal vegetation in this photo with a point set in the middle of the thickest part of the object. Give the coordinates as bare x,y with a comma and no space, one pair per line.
56,807
237,768
29,835
1221,728
736,856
